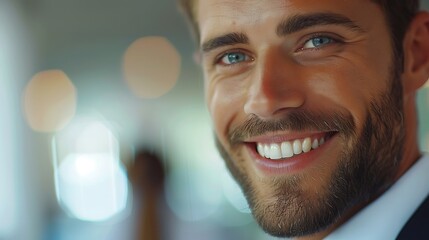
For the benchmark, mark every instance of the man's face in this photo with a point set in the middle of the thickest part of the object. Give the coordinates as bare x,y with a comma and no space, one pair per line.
306,105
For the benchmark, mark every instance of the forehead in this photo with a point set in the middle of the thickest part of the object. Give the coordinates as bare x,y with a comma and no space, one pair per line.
218,16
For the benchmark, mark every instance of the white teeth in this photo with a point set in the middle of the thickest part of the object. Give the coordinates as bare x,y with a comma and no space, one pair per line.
260,149
275,151
267,151
288,149
297,147
315,144
306,145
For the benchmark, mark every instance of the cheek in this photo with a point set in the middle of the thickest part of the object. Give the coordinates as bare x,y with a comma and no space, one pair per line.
225,103
350,86
338,89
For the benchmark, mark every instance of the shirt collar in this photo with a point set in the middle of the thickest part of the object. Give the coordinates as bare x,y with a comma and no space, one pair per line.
387,215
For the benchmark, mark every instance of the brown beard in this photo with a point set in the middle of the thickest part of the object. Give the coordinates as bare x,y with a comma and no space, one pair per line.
366,166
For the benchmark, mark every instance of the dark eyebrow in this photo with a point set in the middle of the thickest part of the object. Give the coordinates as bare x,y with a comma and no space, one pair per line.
224,40
300,22
288,26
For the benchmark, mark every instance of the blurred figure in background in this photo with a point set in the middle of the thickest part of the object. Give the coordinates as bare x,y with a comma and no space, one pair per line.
147,178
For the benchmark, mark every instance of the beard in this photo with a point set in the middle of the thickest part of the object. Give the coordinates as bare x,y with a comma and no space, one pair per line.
365,168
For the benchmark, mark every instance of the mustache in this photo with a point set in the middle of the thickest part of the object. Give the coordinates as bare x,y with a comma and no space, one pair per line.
298,120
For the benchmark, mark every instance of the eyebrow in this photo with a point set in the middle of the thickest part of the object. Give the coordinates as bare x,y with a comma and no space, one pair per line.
225,40
300,22
287,26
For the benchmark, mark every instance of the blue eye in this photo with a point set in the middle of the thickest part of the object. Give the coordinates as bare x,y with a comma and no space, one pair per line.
318,42
234,58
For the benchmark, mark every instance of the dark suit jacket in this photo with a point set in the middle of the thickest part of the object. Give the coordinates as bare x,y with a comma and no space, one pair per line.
417,226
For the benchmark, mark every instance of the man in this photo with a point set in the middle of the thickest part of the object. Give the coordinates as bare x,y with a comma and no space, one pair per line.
313,105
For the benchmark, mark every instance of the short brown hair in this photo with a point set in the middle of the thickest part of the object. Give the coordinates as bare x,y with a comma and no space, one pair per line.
398,13
188,8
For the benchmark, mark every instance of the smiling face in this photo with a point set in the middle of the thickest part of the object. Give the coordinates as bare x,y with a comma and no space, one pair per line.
306,105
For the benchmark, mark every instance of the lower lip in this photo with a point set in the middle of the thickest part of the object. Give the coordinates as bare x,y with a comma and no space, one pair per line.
291,165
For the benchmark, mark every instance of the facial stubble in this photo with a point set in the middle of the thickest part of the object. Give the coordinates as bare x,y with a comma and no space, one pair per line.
366,166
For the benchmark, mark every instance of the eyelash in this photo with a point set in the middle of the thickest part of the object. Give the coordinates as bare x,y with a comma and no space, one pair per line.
333,39
238,51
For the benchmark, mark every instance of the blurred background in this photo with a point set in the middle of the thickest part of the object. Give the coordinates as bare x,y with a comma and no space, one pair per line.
91,147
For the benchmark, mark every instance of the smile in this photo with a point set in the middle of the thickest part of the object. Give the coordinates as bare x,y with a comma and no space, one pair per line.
287,153
284,147
288,149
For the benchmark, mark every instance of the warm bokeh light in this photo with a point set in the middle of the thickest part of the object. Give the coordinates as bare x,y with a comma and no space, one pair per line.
49,101
151,67
91,183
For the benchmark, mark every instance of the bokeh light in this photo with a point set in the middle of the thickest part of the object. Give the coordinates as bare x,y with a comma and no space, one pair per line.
193,186
151,67
92,187
91,183
193,192
14,63
49,101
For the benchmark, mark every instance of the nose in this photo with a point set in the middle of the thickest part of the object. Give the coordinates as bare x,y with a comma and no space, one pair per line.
276,86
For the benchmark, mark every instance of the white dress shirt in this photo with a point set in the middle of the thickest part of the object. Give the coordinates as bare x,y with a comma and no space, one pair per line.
384,218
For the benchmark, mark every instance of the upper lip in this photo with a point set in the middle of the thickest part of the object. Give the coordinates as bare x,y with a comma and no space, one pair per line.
278,137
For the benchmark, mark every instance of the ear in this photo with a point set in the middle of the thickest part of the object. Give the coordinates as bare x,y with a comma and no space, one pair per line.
416,53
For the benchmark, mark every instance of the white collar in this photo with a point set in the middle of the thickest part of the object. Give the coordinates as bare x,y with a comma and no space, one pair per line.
387,215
